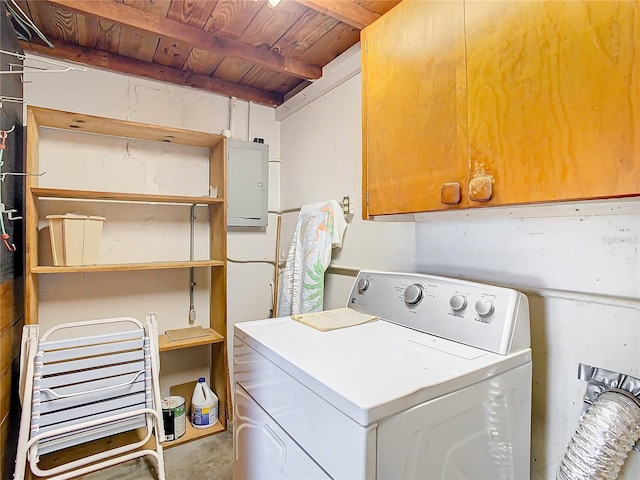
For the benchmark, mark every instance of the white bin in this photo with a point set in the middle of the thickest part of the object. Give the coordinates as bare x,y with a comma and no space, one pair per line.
75,239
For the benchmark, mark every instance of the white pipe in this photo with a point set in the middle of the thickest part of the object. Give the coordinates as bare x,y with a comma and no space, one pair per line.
232,115
249,121
605,435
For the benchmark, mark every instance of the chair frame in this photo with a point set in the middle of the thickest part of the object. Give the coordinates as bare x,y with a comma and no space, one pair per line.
29,439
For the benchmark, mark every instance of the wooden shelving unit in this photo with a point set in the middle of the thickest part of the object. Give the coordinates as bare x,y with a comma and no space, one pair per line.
217,210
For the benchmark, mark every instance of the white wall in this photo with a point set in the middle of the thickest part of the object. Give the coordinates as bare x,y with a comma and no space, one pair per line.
138,232
321,160
580,267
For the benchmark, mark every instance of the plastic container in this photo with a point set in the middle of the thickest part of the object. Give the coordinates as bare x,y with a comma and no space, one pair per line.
204,405
75,239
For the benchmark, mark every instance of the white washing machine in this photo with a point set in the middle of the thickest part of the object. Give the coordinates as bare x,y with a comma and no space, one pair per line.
438,388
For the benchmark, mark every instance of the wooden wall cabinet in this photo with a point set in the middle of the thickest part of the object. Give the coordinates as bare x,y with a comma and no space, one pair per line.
485,103
39,118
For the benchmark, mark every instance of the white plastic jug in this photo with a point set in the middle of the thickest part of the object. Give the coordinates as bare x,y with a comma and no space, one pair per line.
204,405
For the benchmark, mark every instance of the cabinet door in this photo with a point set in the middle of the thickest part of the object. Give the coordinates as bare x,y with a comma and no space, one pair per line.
554,109
414,107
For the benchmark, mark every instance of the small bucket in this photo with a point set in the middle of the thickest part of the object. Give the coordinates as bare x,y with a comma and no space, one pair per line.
174,417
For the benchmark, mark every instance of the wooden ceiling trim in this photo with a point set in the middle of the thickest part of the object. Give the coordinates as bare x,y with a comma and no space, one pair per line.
346,11
133,18
130,66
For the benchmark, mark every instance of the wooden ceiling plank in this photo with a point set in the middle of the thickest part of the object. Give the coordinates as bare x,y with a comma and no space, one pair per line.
133,18
378,6
171,53
311,27
233,70
97,34
191,12
346,11
231,19
270,24
276,81
264,31
138,44
332,44
188,12
130,66
55,22
307,31
202,62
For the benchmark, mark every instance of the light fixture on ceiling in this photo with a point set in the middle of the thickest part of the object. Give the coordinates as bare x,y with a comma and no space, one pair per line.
273,3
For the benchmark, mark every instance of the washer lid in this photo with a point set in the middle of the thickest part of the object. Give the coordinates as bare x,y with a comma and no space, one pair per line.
373,370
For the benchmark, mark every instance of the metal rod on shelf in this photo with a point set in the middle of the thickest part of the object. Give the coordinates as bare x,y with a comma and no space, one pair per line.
192,280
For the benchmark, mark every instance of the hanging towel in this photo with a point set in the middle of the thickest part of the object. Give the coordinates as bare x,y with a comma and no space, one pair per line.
320,228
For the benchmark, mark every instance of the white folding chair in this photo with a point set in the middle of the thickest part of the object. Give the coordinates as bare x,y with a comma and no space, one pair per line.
81,388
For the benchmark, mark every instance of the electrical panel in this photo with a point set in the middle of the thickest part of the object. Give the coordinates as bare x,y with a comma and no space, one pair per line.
247,183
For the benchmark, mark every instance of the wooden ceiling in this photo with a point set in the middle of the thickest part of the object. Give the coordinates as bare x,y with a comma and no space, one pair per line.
241,48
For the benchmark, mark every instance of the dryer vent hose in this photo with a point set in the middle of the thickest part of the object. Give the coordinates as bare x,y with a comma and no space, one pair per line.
605,435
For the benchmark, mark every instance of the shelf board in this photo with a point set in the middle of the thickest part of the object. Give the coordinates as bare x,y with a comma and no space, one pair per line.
195,434
118,267
164,344
41,192
79,122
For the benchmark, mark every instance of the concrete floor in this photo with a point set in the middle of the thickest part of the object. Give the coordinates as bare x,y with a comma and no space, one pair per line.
209,458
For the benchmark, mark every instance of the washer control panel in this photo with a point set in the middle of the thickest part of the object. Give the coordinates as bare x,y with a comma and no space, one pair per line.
484,316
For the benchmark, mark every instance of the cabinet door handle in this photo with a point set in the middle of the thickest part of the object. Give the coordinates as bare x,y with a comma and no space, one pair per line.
450,193
481,189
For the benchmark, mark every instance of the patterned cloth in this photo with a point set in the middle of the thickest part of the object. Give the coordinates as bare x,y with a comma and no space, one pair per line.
320,228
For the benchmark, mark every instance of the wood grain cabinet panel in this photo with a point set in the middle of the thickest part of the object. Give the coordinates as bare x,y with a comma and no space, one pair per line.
414,116
538,100
553,89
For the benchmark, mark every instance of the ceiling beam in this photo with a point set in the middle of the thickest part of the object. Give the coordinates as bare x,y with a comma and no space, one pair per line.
140,68
346,11
130,17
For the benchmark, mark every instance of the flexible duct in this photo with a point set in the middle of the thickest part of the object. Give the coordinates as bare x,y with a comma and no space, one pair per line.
605,435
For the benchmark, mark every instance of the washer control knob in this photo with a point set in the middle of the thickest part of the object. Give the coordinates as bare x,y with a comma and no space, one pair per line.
484,307
458,303
413,294
363,284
